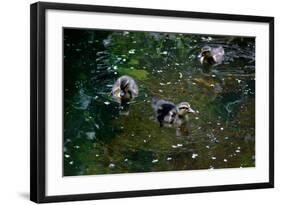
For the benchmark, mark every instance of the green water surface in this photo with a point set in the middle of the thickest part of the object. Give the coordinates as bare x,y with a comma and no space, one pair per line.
97,140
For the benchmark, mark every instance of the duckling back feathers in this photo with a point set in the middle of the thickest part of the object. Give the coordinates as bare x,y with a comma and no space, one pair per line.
165,111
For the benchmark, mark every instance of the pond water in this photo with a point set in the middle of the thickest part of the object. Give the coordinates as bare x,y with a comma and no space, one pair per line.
97,140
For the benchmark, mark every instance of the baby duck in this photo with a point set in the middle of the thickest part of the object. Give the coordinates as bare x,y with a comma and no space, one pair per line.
124,90
181,122
165,111
211,56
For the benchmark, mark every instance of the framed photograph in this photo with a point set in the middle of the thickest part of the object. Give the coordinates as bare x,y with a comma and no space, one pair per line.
129,102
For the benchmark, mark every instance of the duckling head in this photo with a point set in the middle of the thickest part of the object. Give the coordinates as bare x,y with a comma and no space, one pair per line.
207,59
124,87
124,91
205,52
184,108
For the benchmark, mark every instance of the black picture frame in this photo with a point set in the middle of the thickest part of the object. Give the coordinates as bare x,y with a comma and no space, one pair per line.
38,100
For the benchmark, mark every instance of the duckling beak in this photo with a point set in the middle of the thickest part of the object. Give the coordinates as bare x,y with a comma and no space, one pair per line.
190,110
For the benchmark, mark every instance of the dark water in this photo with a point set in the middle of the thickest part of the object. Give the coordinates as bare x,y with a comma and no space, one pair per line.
99,141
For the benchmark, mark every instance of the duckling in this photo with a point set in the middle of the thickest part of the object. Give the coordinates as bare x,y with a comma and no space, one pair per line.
211,56
165,111
124,90
181,122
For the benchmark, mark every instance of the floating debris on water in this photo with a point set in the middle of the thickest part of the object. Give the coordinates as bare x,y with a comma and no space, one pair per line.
177,145
237,150
169,158
207,39
111,165
213,158
106,102
222,128
66,155
225,160
194,156
71,162
91,135
126,160
155,161
132,51
180,74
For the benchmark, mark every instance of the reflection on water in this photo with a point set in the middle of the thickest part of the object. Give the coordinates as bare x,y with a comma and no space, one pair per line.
97,140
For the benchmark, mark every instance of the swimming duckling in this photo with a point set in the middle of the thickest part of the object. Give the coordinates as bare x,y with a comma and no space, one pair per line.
211,56
165,111
124,90
181,122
